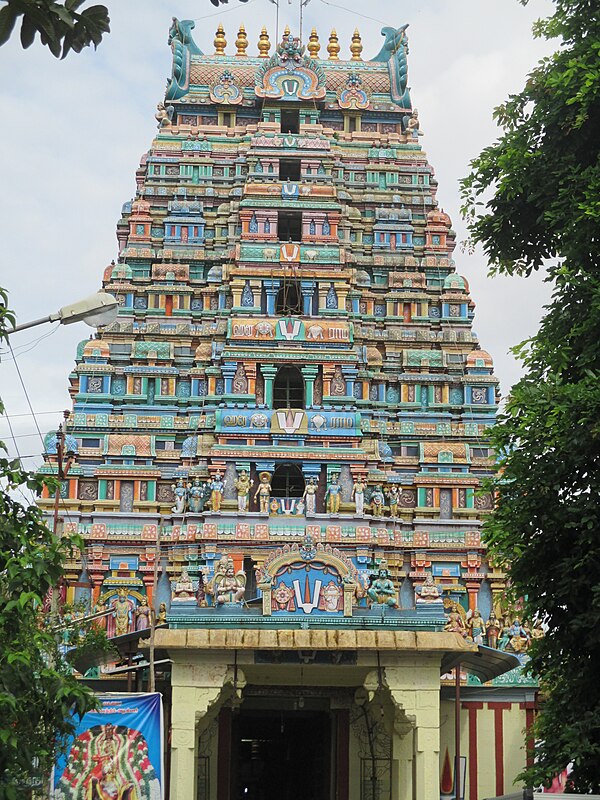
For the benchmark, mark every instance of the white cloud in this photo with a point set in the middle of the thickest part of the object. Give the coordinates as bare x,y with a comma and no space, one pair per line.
73,132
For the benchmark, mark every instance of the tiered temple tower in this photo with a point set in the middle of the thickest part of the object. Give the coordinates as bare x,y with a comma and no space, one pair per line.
293,378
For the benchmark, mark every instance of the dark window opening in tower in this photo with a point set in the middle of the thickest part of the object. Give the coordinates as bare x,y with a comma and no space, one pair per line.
315,302
288,389
289,226
249,569
287,481
353,124
289,169
228,119
289,300
290,120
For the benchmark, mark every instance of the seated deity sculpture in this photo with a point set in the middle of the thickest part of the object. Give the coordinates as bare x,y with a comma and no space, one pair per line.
227,586
382,589
184,588
428,592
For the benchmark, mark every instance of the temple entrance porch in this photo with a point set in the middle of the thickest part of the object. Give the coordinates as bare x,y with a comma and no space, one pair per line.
360,713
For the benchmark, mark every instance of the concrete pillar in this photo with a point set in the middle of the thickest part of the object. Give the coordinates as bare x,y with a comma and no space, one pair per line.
198,690
402,763
415,693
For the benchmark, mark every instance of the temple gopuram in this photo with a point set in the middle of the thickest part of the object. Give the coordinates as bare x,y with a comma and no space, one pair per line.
279,445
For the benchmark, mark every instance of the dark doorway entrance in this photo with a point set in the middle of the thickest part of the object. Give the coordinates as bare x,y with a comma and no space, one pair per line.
281,755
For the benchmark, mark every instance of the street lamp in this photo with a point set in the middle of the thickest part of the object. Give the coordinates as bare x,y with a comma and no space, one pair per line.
96,310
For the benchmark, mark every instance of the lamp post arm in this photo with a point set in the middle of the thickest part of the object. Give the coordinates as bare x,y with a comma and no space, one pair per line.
33,323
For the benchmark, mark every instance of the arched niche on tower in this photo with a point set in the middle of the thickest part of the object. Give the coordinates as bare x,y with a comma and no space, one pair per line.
288,388
287,481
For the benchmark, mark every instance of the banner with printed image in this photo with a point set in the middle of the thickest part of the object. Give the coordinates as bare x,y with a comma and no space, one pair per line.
117,752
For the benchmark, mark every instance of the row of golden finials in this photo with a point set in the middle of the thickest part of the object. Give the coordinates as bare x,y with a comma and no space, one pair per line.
264,44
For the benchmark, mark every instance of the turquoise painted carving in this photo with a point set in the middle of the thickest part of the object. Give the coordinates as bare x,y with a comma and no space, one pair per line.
182,46
394,54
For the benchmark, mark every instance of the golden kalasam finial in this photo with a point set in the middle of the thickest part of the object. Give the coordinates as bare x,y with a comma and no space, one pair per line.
286,30
241,42
313,44
333,48
220,42
356,47
264,45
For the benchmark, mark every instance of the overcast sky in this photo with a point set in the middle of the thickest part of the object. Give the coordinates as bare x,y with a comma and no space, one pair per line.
73,131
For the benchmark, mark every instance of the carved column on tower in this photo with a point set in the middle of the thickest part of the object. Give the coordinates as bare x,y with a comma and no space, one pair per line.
350,374
250,367
271,289
228,372
268,372
328,371
308,289
309,373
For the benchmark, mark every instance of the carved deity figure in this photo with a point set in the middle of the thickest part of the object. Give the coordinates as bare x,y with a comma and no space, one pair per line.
263,492
164,115
428,591
505,634
393,497
456,622
310,495
331,597
197,493
492,627
227,586
338,384
413,126
333,496
242,485
358,494
217,486
519,638
181,494
142,615
122,608
382,589
476,627
161,618
184,588
377,502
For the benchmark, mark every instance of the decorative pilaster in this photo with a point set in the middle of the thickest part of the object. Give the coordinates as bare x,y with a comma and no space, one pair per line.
309,373
268,372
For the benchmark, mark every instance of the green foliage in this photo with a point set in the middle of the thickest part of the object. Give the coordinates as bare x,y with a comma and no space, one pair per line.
533,198
38,691
544,169
61,26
